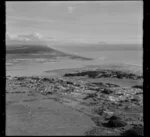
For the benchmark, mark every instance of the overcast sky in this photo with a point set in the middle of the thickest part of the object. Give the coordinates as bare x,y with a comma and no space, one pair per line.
93,21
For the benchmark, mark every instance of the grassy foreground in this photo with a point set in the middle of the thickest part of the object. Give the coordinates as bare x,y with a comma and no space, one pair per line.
87,102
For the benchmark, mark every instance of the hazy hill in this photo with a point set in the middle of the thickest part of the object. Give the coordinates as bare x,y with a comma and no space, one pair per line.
36,51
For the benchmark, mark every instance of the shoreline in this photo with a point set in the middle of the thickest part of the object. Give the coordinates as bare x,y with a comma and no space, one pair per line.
117,66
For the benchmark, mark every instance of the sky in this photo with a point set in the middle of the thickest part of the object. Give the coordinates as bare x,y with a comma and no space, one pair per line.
76,21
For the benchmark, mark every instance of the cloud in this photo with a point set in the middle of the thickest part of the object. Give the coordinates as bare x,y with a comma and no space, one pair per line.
33,36
24,37
71,8
10,37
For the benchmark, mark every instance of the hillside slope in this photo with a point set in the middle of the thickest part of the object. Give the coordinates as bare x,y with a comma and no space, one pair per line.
36,51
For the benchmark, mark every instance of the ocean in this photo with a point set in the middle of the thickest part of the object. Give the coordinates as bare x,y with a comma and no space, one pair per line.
99,58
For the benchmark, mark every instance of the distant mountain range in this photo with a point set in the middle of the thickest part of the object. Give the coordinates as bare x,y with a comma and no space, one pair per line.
31,47
31,51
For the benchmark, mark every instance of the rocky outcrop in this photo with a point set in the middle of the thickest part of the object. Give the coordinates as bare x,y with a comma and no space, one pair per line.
105,74
103,100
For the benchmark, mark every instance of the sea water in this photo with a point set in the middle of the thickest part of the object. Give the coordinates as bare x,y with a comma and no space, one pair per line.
99,58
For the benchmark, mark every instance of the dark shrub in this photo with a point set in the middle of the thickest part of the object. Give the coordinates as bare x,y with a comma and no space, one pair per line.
47,80
138,86
68,75
20,78
114,118
134,131
92,74
68,82
107,91
115,122
35,78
